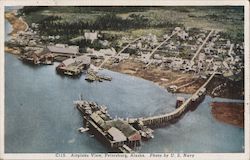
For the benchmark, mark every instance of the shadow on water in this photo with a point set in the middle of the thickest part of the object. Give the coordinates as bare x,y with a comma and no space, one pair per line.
32,66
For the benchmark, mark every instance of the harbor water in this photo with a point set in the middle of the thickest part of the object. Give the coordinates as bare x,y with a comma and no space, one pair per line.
40,116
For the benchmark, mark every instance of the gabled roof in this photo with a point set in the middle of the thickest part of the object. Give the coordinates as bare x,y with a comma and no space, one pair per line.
124,127
98,120
116,134
68,61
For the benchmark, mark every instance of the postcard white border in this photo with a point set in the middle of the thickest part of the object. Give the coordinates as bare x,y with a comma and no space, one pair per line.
203,156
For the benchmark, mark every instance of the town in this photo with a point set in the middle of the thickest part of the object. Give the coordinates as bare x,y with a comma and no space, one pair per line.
94,50
200,52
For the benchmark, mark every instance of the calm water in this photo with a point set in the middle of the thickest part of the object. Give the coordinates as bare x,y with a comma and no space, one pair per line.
40,116
8,29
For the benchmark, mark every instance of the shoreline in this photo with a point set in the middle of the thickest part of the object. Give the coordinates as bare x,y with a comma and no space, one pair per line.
17,23
166,78
228,112
12,50
17,26
161,77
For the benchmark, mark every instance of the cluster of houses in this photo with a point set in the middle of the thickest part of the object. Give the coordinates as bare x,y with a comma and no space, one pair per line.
72,61
100,54
218,54
26,38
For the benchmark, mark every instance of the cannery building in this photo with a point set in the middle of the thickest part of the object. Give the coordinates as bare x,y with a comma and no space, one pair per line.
64,49
114,133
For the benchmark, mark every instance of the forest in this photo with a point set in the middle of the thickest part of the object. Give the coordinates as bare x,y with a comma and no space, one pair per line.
70,22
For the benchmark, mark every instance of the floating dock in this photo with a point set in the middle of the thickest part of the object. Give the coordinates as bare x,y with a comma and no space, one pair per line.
93,76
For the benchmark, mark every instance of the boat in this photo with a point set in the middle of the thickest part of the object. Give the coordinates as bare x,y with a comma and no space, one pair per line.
147,133
82,129
68,73
106,78
90,78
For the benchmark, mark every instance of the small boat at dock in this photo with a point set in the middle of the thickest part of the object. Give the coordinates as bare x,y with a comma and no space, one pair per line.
82,129
92,76
106,78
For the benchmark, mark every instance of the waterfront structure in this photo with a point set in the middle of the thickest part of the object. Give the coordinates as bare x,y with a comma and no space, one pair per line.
120,134
74,66
94,76
38,56
64,49
123,135
117,134
182,106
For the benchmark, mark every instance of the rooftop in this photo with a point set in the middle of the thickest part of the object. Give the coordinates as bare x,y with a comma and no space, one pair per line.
124,127
79,59
98,120
83,59
117,135
63,48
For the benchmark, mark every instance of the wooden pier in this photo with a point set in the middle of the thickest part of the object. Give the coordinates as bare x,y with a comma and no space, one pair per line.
189,104
122,135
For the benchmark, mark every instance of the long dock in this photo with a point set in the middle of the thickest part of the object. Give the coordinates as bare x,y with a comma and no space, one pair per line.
122,135
159,119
